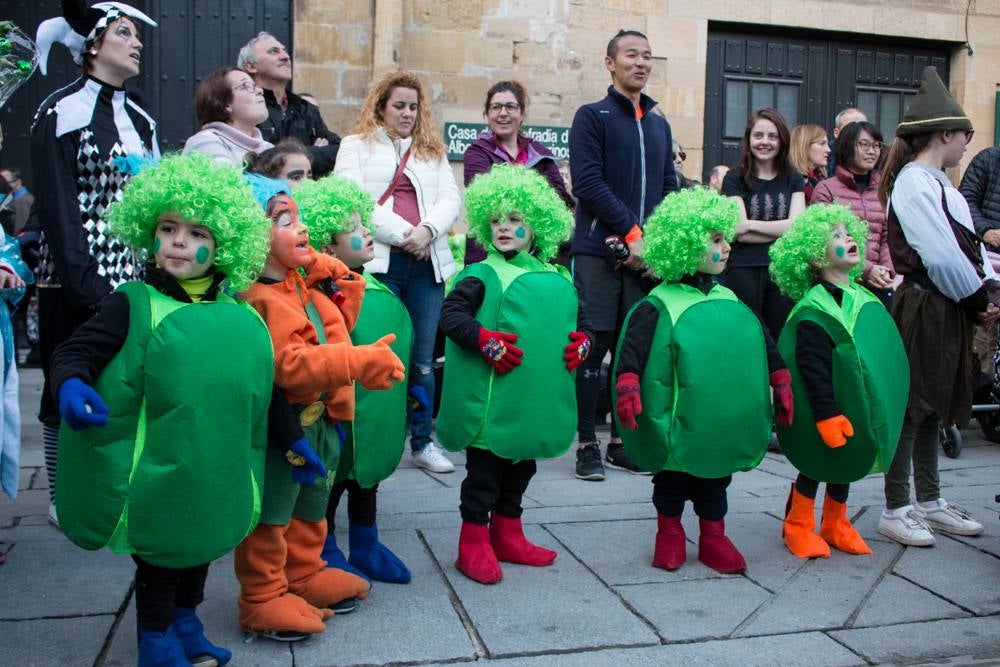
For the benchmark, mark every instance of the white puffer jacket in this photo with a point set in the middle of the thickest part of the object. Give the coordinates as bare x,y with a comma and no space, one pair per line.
371,164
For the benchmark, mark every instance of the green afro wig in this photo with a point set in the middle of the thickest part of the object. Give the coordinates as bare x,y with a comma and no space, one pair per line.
327,206
800,252
677,234
506,189
215,196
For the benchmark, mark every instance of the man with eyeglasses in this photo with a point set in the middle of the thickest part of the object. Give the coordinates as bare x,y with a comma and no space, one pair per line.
621,167
840,121
981,188
19,200
288,115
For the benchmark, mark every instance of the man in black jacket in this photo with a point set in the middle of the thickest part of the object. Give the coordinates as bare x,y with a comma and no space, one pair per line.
266,60
981,188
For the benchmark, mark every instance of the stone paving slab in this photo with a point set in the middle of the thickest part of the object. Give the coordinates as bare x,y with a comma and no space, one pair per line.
689,610
903,602
51,641
28,502
439,499
910,642
617,487
955,571
555,608
57,578
778,650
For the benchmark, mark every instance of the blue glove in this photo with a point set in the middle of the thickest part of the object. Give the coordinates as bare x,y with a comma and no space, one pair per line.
312,468
419,403
75,397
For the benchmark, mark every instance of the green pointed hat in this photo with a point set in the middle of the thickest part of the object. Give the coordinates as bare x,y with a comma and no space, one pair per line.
932,109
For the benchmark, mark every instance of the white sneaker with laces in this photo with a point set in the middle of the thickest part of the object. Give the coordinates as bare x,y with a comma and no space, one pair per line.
949,518
906,527
433,459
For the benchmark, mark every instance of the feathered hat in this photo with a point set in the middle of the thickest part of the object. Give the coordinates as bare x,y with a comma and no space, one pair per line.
81,26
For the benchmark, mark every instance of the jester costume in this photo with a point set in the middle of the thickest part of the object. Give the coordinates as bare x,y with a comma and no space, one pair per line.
513,296
686,348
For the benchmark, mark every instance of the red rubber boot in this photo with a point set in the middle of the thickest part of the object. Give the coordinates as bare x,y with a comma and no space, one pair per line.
476,559
670,550
716,551
511,546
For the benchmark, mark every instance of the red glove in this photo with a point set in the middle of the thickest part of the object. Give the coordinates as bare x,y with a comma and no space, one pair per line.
577,350
784,402
834,430
629,404
498,348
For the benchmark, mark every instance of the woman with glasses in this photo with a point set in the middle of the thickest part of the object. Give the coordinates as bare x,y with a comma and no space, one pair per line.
229,105
503,143
398,156
858,151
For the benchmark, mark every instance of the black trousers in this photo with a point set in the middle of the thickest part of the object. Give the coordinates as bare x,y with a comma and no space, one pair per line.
160,590
57,320
671,488
588,387
361,503
754,287
493,484
808,487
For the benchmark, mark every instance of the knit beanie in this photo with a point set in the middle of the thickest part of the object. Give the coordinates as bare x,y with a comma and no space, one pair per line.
932,109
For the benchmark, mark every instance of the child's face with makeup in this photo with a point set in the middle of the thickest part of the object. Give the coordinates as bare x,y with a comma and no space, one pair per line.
716,255
842,250
296,170
510,233
353,248
289,237
183,248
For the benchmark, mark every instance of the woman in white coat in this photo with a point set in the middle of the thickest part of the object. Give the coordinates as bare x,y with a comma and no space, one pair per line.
399,158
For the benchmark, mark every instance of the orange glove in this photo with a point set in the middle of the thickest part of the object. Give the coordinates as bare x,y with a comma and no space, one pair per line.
376,366
834,430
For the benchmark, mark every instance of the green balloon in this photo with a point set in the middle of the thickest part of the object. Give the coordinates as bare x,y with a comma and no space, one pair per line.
5,47
24,67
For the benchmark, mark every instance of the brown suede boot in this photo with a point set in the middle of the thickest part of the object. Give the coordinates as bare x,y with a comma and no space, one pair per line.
837,530
308,575
265,605
800,524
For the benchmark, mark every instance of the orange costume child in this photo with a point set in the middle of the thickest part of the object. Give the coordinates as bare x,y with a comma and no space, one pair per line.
286,588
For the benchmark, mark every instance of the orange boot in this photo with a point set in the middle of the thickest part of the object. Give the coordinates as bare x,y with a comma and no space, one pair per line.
265,605
800,522
308,575
837,530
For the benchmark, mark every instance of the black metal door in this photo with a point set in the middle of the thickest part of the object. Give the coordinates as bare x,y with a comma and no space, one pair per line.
194,37
808,77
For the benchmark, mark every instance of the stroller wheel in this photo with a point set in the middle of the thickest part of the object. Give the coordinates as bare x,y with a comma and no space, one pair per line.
989,422
951,441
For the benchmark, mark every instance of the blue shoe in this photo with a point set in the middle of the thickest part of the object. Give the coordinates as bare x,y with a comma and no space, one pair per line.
191,634
334,557
373,558
160,648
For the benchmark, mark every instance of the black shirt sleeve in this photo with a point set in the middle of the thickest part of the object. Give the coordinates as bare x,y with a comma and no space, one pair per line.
93,345
634,351
774,360
283,426
814,354
458,320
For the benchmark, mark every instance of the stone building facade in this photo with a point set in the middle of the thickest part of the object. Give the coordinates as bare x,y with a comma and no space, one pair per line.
556,47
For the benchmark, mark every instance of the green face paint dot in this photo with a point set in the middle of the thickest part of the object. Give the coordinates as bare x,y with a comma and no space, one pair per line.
156,246
520,233
841,251
716,257
356,244
202,255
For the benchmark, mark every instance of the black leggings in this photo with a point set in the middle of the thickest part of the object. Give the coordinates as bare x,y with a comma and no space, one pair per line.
493,484
671,488
808,487
588,387
754,287
160,590
361,503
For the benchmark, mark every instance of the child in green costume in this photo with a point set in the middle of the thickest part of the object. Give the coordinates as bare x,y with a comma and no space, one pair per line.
689,347
338,212
513,296
849,371
165,456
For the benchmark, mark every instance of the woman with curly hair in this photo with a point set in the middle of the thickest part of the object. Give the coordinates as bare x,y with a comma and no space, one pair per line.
693,337
512,296
848,370
166,390
398,157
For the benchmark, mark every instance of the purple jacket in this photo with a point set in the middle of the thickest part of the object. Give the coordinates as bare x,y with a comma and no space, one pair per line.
842,189
484,153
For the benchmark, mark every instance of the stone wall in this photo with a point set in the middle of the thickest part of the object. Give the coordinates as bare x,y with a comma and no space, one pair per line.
556,47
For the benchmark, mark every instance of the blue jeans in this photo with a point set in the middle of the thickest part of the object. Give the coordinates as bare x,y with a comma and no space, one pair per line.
412,280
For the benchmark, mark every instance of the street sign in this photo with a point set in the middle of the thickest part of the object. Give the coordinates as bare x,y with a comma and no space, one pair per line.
459,136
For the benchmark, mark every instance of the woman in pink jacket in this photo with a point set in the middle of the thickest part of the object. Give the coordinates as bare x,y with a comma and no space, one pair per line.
858,152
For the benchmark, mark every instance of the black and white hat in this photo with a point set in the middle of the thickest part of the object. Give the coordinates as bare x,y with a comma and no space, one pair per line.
81,26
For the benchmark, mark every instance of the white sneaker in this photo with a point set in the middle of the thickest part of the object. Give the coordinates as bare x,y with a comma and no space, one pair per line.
433,459
949,518
906,526
53,517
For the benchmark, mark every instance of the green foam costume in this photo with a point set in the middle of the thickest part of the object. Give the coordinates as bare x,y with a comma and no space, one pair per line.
702,414
529,413
176,476
871,380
